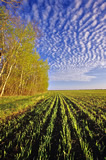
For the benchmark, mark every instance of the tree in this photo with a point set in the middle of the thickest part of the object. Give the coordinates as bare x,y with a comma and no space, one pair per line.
13,3
21,71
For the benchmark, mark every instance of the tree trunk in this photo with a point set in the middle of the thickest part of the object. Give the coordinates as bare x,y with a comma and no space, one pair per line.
2,70
6,81
20,85
3,39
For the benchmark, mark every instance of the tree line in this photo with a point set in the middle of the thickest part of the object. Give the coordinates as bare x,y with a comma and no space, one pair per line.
22,71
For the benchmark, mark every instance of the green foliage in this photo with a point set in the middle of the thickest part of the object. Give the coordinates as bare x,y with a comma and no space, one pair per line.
22,72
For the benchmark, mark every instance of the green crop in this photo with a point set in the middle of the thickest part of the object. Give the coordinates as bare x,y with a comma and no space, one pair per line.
56,125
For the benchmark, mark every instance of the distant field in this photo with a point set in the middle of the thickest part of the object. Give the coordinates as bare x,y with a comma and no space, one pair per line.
69,125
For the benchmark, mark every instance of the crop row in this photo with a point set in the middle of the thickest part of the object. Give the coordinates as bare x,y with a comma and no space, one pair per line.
58,127
20,131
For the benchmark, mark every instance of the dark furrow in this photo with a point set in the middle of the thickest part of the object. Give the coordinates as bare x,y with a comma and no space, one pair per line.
76,148
43,129
97,115
37,141
81,118
20,120
53,154
30,115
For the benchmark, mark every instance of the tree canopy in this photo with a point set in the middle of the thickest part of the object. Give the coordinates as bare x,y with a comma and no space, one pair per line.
21,69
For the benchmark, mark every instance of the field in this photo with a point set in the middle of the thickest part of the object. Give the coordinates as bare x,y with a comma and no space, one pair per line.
57,125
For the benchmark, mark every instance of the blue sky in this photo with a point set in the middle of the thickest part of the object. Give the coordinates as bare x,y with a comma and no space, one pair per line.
73,40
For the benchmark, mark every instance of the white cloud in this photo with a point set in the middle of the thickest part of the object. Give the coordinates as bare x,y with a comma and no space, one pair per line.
89,45
86,35
35,11
74,43
46,13
103,6
73,74
80,12
88,4
94,23
103,19
53,20
28,18
85,17
97,3
78,3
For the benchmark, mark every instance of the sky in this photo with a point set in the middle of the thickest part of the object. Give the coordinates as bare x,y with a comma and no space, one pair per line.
73,41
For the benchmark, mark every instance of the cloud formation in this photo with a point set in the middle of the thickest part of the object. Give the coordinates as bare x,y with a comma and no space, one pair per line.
73,36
